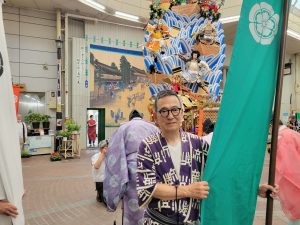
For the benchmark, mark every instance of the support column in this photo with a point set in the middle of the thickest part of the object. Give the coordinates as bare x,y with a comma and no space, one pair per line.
67,114
296,105
59,81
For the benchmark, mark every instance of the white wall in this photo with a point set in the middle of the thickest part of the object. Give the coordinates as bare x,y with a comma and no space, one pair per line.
80,94
106,30
31,38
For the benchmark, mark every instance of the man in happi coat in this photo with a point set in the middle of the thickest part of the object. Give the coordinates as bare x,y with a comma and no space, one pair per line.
169,168
120,172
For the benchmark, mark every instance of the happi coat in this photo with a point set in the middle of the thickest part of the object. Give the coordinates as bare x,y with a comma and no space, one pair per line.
120,171
288,172
154,166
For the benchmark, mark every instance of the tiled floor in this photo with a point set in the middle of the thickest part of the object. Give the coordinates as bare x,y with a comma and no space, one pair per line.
62,193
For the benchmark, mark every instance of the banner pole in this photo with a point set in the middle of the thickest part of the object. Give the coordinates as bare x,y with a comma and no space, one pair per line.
276,115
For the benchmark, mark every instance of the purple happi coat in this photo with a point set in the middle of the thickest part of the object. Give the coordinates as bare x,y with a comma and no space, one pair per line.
155,165
120,171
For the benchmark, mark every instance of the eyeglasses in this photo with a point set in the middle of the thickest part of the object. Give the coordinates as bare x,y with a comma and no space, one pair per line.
165,112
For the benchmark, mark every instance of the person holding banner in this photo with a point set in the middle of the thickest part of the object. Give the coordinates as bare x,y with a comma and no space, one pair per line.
170,166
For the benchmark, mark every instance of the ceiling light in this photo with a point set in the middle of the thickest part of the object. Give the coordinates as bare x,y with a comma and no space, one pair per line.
93,4
126,16
230,19
293,34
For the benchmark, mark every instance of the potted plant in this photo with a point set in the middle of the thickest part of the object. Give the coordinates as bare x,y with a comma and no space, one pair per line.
34,119
72,127
25,154
65,134
55,156
45,120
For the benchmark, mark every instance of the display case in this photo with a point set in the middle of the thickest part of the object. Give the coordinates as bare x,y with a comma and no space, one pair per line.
38,145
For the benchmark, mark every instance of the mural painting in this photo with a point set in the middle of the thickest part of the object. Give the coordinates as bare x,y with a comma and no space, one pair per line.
118,83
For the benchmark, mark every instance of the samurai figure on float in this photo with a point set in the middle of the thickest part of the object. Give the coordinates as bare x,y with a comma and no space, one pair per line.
195,69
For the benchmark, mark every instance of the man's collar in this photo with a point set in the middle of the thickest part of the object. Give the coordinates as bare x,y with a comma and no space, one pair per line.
137,118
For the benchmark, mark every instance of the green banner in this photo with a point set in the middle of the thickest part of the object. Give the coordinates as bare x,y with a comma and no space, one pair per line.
236,157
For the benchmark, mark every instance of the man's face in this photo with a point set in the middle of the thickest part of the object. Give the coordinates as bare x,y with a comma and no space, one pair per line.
19,118
194,56
169,115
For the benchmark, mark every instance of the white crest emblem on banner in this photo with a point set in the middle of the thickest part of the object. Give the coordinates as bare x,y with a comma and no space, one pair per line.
263,23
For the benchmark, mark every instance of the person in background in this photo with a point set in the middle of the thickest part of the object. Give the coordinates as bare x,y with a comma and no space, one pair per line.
293,123
91,131
120,172
208,130
22,131
288,172
98,169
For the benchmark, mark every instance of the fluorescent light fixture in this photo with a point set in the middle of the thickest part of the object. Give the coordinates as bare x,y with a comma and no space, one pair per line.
126,16
230,19
93,4
293,34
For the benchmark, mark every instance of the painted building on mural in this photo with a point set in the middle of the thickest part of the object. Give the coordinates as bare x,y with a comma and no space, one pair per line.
119,83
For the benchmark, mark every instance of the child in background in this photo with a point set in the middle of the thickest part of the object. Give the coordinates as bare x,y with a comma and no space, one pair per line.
98,169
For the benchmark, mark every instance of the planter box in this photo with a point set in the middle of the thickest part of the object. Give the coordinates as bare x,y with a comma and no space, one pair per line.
46,125
35,125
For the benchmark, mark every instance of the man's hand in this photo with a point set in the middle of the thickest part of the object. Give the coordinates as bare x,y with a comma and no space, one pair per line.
8,209
264,188
105,150
198,190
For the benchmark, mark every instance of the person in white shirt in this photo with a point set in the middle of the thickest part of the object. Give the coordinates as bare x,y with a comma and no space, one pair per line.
22,131
208,130
98,169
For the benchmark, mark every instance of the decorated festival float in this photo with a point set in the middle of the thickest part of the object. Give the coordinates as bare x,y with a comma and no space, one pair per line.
184,51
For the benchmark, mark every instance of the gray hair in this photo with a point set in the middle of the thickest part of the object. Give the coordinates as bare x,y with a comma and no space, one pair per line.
103,143
165,93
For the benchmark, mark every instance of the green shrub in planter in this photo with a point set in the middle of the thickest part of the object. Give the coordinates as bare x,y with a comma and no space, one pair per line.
45,121
25,154
71,126
33,117
45,118
64,133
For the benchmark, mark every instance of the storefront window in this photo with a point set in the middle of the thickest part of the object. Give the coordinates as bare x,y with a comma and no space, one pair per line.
32,101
